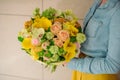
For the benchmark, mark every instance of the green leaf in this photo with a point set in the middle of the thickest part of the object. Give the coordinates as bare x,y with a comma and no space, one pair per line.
41,53
33,19
62,15
48,54
48,47
41,58
20,38
80,29
53,68
43,39
48,30
51,42
27,50
54,58
36,12
49,62
73,39
49,13
61,58
61,52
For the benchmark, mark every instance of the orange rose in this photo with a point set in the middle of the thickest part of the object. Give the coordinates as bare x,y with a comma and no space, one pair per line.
58,42
63,35
56,27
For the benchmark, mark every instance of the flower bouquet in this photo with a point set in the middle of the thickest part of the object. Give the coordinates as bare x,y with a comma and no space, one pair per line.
52,37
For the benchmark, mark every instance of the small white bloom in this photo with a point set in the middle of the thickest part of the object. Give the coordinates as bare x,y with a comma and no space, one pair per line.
36,32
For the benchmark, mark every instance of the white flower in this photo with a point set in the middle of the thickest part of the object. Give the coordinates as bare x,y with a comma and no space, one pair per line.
45,45
38,33
24,33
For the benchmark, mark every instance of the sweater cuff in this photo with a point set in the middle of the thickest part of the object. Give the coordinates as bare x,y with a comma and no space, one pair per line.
73,64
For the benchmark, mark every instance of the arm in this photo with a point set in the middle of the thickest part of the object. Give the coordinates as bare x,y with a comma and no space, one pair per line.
111,63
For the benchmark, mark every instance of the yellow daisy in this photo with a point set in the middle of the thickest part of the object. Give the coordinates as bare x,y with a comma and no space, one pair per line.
42,23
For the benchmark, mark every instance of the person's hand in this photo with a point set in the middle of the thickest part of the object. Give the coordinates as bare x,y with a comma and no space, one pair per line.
81,55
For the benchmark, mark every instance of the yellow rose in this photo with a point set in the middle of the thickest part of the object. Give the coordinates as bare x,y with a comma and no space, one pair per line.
26,44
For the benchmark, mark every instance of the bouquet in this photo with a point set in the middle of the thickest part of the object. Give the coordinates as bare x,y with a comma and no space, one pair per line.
52,37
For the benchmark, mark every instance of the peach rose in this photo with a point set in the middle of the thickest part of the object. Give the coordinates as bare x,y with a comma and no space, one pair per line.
44,45
56,27
58,42
63,35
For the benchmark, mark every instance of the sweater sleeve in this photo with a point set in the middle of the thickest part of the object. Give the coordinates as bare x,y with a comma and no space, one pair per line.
111,63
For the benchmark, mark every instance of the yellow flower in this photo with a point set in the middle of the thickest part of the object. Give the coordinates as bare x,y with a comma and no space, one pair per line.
36,48
70,48
69,55
42,23
34,55
36,25
70,26
69,45
28,24
26,44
